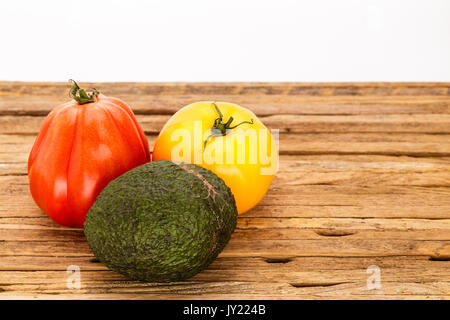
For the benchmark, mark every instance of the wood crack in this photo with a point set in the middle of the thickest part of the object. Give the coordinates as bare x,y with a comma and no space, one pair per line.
316,285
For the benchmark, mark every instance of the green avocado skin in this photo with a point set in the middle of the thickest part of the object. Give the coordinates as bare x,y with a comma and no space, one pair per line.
161,221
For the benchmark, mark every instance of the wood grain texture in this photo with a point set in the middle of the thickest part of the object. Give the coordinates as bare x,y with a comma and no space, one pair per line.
364,180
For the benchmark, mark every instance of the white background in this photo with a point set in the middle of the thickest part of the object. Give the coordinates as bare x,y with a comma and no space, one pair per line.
228,40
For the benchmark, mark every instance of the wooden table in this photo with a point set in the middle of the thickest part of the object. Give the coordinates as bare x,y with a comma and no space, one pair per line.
364,180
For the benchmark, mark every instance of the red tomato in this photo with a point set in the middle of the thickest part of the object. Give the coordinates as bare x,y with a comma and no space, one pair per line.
82,146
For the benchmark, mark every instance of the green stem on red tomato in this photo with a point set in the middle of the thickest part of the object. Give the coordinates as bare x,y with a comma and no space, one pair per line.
80,95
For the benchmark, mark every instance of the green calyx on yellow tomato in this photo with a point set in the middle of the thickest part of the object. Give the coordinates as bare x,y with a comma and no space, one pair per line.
221,128
226,139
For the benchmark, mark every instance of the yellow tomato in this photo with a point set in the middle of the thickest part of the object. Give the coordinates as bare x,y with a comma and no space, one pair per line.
227,139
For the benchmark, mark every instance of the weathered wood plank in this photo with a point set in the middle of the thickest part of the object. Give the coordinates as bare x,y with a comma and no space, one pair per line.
274,248
302,124
28,281
17,186
263,98
244,296
357,170
290,229
249,224
227,289
430,268
28,209
238,88
292,272
15,148
261,106
295,170
245,290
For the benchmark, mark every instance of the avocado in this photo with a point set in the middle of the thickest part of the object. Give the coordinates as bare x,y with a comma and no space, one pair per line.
161,221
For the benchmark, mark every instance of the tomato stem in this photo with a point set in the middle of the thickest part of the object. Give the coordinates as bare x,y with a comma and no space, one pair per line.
80,95
221,128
